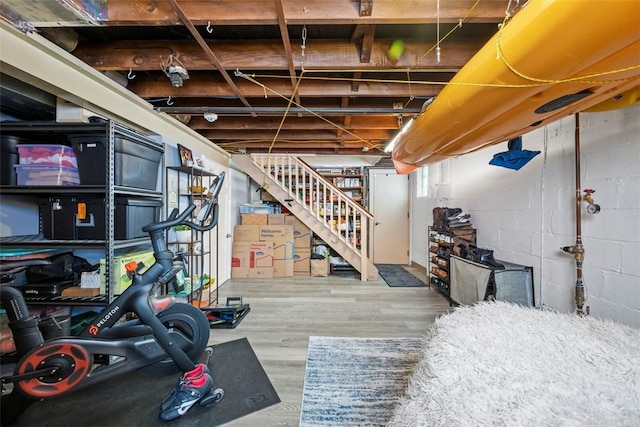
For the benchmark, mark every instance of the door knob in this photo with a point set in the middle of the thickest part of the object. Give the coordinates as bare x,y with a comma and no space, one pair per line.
376,223
228,235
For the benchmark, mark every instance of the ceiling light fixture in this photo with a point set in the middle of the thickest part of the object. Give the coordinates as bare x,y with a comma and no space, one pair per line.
210,117
390,145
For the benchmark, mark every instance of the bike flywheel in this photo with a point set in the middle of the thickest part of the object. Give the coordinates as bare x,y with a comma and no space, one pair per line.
71,363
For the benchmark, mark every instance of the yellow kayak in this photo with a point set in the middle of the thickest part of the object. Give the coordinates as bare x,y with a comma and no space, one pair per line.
552,59
619,100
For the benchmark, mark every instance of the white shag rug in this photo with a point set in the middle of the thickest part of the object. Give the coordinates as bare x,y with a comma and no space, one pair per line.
505,365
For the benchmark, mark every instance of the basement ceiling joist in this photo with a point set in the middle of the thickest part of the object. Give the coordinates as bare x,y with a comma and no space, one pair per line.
304,12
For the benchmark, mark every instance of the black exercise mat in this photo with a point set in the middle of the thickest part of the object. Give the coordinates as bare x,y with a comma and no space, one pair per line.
134,399
397,276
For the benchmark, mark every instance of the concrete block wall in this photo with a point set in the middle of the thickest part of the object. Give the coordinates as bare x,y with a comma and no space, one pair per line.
526,216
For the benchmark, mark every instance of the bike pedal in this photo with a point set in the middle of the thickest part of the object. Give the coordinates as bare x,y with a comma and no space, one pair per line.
206,355
214,396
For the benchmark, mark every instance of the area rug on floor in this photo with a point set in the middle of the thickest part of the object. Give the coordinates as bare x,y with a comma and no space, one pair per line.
356,381
505,365
134,399
397,276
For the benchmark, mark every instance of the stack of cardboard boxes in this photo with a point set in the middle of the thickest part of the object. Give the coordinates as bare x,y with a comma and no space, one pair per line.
270,245
302,237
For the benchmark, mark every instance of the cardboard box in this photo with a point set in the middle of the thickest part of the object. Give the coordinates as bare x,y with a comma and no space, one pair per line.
276,233
77,291
260,254
282,238
297,224
252,254
283,268
265,196
119,271
254,219
261,273
283,259
301,233
301,260
246,233
252,259
251,273
280,235
277,219
302,241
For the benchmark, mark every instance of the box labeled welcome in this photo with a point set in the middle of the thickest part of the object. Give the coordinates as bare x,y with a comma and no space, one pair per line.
252,259
283,246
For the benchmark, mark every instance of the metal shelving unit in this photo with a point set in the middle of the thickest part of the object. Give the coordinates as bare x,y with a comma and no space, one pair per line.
200,247
59,133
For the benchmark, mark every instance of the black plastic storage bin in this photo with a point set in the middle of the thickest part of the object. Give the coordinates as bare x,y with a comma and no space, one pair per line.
136,163
133,214
72,218
9,158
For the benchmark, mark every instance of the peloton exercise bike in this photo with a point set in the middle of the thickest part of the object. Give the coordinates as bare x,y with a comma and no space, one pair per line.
164,338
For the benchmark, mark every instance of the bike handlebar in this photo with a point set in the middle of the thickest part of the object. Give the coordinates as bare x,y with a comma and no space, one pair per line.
209,209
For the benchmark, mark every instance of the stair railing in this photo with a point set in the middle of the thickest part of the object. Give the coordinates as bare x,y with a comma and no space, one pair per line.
342,216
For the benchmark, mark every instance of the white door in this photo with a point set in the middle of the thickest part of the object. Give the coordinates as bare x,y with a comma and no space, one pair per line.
389,197
224,236
222,257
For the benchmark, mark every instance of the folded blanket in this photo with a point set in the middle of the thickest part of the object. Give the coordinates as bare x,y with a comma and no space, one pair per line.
515,158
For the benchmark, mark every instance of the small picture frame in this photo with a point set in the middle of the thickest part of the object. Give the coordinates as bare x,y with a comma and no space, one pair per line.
186,157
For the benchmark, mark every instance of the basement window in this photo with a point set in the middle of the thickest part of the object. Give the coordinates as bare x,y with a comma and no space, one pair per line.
422,187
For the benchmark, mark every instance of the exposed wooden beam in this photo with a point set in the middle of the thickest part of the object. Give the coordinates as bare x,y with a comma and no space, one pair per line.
268,55
287,143
298,12
297,145
344,103
210,86
294,135
311,149
207,50
352,123
284,33
355,83
364,36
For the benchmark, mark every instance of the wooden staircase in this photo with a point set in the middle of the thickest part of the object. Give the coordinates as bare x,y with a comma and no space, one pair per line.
318,204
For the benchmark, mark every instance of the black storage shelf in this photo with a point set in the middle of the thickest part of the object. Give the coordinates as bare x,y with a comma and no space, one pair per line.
440,284
180,179
96,301
114,142
44,190
37,241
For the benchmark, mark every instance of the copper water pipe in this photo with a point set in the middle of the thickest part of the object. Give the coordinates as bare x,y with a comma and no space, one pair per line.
578,250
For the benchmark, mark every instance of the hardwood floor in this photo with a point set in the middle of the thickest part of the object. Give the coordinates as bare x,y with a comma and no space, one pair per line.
285,312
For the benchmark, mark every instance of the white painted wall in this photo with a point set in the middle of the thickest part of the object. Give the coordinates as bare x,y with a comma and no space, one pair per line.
242,193
526,216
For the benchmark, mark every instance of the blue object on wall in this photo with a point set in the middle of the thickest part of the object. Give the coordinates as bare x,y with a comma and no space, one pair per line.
515,157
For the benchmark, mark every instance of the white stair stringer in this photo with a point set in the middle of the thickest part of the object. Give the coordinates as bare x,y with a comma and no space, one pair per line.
276,171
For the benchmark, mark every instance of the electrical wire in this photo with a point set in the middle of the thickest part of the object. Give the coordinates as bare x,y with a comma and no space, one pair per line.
359,139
